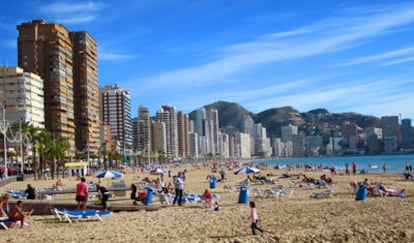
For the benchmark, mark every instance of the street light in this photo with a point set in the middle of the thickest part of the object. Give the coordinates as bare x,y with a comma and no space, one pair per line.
4,131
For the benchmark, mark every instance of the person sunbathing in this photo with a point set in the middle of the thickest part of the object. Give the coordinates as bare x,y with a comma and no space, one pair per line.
17,214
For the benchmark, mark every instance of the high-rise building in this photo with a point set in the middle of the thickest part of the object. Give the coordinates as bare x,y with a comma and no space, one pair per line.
67,62
213,118
143,130
200,117
389,125
168,115
86,91
46,49
183,129
288,132
22,96
349,133
158,138
407,137
116,106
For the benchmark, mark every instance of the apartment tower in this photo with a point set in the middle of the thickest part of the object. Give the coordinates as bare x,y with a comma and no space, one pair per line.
22,96
116,106
67,62
86,91
46,49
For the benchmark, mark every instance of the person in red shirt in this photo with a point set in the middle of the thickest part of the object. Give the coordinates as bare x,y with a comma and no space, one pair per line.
354,168
207,198
82,194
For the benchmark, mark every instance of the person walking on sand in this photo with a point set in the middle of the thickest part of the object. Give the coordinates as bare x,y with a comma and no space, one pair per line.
254,218
82,194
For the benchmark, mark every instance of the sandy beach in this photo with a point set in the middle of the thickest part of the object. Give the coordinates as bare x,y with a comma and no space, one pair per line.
294,218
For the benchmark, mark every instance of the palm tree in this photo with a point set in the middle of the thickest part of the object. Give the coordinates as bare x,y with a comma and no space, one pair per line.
57,152
32,133
45,140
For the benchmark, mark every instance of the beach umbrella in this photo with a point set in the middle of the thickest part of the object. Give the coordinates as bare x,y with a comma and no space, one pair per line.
109,174
158,171
247,170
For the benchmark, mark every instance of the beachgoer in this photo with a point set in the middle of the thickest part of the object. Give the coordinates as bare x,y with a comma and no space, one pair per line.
207,198
354,168
30,192
179,187
103,195
347,169
59,183
384,168
4,205
17,214
82,194
254,218
222,174
216,206
134,190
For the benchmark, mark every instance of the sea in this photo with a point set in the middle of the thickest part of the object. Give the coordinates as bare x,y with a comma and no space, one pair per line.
372,164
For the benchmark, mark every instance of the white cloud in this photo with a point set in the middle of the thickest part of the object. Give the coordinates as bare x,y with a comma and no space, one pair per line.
105,56
327,36
66,7
72,12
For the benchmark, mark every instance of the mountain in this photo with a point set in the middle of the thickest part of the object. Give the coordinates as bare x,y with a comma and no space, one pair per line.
312,122
230,114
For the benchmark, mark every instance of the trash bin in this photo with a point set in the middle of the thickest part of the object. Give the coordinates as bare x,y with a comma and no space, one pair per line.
148,199
119,184
362,192
244,194
213,182
20,178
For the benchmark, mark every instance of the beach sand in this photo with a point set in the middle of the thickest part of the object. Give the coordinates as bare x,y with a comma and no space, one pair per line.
295,218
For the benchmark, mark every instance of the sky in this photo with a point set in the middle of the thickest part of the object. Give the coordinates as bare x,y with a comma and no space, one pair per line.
344,56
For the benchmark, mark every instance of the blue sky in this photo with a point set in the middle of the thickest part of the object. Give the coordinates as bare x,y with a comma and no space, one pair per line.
345,56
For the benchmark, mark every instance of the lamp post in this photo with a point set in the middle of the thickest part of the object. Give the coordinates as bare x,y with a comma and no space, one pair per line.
4,131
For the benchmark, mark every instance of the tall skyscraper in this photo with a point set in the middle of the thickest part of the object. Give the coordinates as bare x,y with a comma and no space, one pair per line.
116,106
46,49
407,136
86,91
213,118
183,134
67,62
22,96
144,130
168,115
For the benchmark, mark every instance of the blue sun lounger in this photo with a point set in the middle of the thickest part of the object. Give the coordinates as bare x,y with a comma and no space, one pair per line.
68,215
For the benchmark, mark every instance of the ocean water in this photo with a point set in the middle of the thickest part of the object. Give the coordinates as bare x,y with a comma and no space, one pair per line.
373,164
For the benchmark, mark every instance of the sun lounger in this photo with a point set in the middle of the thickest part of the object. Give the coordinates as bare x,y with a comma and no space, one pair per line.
322,194
5,223
276,192
68,215
228,188
259,192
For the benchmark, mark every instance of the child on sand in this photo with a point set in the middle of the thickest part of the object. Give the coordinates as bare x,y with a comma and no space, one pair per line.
254,218
216,206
